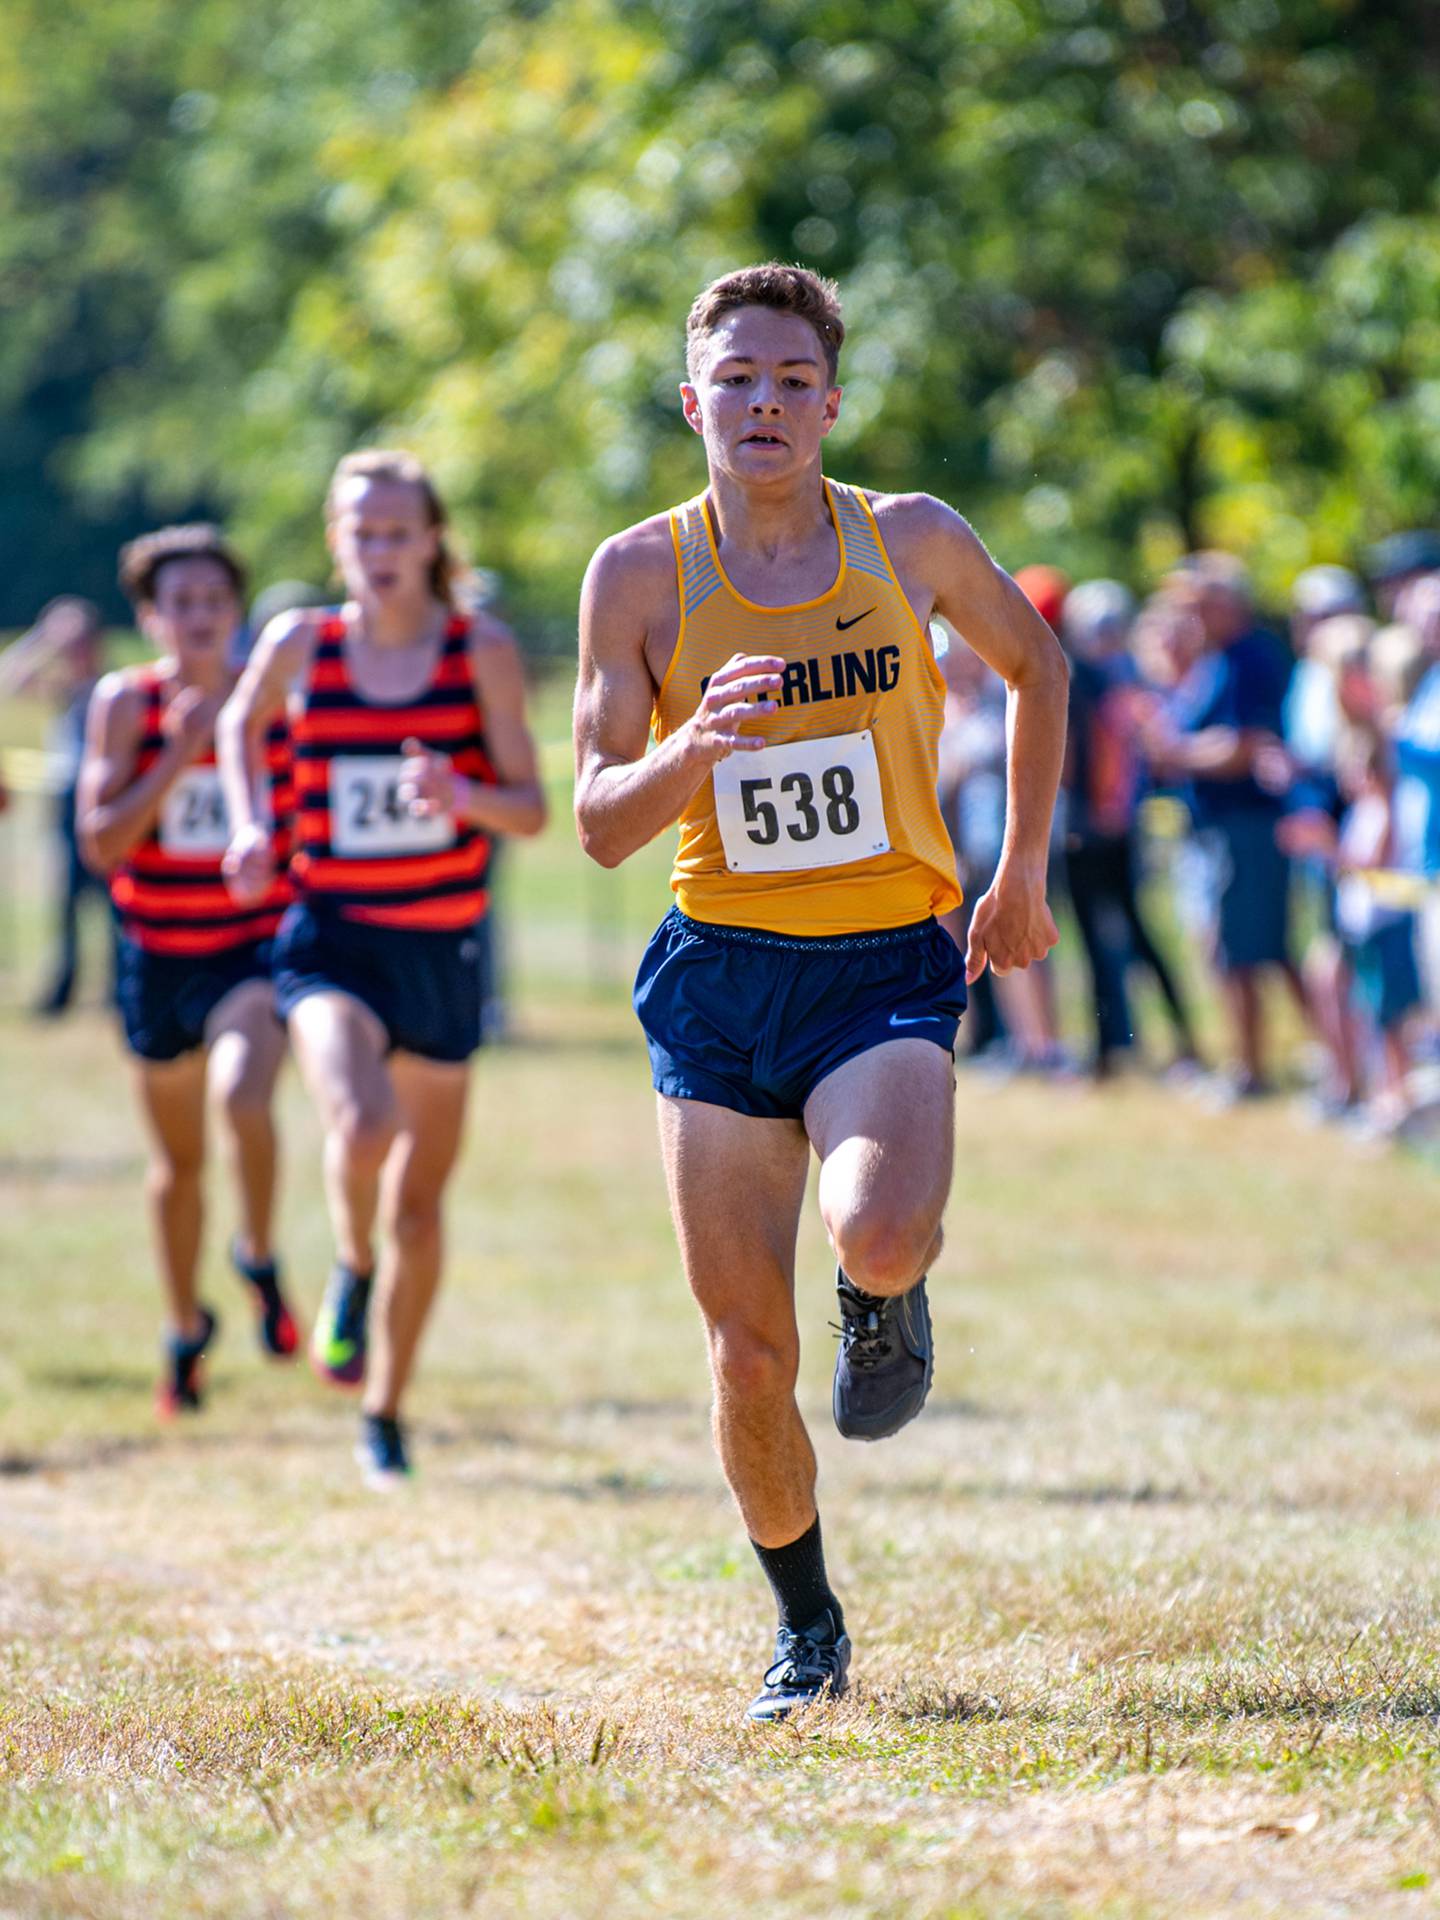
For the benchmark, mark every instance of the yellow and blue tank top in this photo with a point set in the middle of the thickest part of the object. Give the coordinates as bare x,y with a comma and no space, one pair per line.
835,827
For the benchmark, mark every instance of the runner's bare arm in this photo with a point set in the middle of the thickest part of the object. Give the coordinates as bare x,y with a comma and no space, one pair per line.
933,545
281,656
624,796
515,803
113,810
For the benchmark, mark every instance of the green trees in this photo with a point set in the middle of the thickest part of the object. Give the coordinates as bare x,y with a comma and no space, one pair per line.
1118,276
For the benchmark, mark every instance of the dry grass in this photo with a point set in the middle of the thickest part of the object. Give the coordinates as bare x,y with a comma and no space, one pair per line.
1144,1606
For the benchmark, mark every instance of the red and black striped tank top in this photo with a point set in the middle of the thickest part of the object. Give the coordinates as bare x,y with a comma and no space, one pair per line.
169,893
358,850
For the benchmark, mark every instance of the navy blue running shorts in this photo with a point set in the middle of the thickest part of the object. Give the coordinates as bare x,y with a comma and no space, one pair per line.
165,999
422,986
754,1021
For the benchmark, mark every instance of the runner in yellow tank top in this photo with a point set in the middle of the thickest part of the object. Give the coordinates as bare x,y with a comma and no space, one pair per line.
856,842
772,634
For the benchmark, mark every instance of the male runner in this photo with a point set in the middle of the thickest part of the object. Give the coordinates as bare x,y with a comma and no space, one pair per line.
193,979
773,631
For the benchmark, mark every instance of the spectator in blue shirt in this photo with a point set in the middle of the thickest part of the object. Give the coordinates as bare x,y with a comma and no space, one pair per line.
1224,715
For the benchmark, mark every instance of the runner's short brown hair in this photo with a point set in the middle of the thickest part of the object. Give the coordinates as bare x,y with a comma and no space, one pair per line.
784,289
142,559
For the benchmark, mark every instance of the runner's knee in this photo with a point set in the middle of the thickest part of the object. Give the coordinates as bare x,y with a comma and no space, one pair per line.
882,1249
243,1098
175,1165
750,1363
363,1131
416,1220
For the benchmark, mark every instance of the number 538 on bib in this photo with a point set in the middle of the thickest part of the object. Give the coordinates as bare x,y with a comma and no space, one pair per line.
808,803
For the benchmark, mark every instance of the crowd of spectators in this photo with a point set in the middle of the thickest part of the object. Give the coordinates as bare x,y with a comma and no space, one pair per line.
1268,801
1271,802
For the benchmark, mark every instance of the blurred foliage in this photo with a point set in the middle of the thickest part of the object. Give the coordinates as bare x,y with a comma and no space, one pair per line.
1121,275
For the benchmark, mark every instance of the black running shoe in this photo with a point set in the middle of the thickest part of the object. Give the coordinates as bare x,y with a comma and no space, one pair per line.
886,1358
337,1345
380,1451
808,1665
279,1336
182,1389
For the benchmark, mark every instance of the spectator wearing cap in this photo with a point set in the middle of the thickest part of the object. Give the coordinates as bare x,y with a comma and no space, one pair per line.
1322,598
1103,781
1046,589
1393,564
1311,713
1372,990
1224,715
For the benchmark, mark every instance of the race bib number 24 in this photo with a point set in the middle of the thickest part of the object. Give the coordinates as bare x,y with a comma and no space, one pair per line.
808,803
194,823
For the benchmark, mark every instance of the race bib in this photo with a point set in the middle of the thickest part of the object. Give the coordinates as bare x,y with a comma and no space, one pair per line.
194,824
811,803
369,820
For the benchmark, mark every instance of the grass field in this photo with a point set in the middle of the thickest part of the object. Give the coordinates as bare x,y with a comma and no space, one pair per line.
1144,1606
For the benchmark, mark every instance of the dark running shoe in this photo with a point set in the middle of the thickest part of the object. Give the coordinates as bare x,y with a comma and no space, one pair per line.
809,1665
279,1336
381,1452
337,1346
886,1358
182,1389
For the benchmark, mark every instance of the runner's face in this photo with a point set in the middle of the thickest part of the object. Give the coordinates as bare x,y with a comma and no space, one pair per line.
762,399
194,613
383,542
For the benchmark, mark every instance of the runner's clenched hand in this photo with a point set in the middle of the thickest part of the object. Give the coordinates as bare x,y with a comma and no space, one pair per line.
249,864
1011,925
428,783
737,692
188,721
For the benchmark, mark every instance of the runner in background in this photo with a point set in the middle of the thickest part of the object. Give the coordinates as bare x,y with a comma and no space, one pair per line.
407,717
194,972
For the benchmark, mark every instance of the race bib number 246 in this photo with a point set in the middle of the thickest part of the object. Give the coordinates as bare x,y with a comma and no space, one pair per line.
369,820
808,803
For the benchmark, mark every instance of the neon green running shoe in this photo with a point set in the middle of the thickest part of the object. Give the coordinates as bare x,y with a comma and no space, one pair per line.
337,1346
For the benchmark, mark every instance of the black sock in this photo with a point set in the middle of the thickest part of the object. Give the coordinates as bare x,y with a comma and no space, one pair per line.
797,1579
262,1274
266,1282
